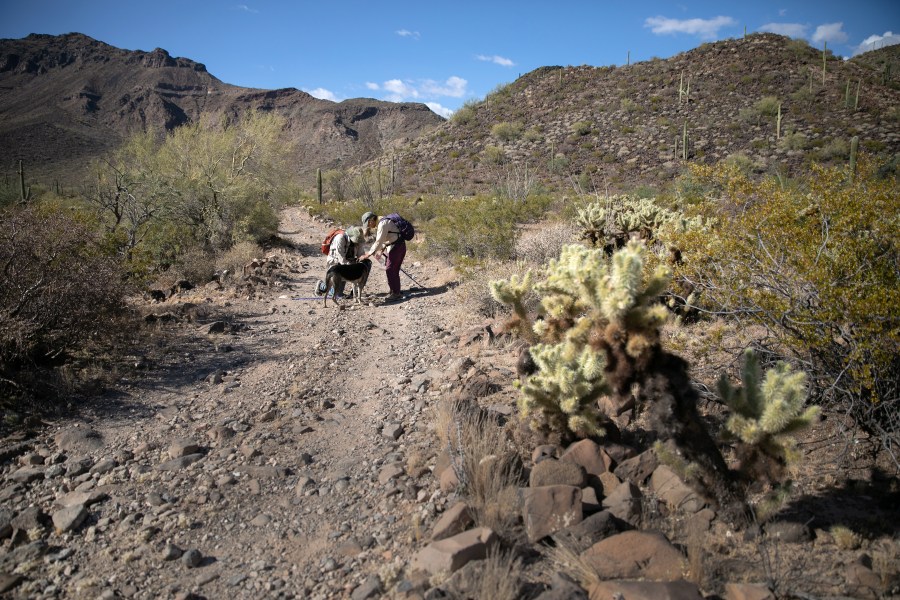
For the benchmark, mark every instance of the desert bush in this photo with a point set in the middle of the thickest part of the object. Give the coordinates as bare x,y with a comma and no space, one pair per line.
335,181
764,107
473,228
507,132
474,290
196,264
838,148
257,222
546,243
465,115
234,259
57,287
558,163
581,128
217,185
494,155
793,141
816,266
533,134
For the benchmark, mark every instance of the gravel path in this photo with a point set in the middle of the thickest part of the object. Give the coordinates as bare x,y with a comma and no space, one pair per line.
262,446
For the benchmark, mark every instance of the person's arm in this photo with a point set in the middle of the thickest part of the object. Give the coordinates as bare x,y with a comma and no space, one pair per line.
387,233
381,239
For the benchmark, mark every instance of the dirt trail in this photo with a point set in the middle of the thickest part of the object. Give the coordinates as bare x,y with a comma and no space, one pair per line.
264,446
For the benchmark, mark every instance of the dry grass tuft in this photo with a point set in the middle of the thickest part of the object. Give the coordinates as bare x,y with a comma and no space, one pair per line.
845,538
567,559
488,471
501,576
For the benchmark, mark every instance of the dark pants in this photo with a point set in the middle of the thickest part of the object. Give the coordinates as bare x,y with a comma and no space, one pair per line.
393,260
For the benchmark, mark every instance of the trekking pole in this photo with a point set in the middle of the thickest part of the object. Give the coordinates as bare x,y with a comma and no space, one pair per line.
382,265
413,280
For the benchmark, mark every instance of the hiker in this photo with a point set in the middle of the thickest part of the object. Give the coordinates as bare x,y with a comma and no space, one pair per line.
390,242
345,247
344,250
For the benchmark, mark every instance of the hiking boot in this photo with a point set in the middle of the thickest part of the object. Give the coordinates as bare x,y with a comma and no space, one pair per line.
320,288
393,297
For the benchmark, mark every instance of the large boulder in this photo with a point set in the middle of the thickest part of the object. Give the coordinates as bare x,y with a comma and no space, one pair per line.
550,508
450,554
636,555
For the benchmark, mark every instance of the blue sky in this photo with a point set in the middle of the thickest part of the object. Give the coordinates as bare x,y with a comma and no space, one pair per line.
442,54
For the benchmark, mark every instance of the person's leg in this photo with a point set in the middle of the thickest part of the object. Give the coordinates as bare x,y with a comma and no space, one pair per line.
394,259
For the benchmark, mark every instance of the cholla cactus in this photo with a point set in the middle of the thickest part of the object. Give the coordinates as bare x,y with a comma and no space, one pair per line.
513,292
766,412
562,394
589,306
592,219
611,222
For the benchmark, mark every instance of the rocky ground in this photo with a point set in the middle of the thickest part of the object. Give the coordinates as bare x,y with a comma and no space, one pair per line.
263,445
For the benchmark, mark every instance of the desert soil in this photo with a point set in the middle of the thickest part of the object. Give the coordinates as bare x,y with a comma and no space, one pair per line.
261,444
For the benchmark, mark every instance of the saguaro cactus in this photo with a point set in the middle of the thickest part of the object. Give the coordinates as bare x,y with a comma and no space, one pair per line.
854,148
26,192
319,185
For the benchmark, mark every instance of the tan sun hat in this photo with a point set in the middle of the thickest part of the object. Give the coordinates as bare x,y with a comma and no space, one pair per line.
355,234
368,215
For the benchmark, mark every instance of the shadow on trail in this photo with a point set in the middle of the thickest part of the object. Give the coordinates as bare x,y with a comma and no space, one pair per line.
173,359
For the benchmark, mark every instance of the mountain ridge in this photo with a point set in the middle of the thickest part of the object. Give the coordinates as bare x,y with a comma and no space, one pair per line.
67,99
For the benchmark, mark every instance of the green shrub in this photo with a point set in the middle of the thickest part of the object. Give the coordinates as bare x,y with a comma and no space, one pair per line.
494,155
463,116
507,132
581,128
558,163
838,148
793,141
815,265
473,228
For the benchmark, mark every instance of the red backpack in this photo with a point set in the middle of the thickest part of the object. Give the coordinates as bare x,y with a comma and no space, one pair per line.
326,243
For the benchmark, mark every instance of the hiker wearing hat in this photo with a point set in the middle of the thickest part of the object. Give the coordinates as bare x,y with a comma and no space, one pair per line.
345,249
389,242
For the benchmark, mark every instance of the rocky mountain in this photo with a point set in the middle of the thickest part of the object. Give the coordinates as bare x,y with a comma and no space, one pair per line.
66,99
762,100
772,103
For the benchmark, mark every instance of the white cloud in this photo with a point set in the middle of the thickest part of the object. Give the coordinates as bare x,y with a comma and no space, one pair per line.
703,28
455,87
407,33
399,90
782,12
246,8
874,42
497,60
830,32
794,30
439,110
322,94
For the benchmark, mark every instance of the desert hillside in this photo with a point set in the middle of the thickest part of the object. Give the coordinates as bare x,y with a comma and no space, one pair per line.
585,129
